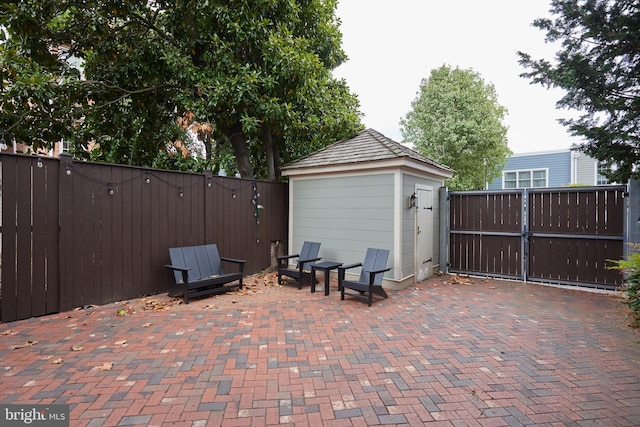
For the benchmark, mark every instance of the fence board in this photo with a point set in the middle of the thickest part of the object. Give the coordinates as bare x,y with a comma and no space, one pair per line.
8,289
24,245
52,234
39,254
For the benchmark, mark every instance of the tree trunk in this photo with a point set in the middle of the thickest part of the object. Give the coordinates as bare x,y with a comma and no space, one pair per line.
276,161
215,156
270,153
206,140
240,150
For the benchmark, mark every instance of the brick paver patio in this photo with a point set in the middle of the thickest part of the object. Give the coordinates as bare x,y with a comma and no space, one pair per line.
493,353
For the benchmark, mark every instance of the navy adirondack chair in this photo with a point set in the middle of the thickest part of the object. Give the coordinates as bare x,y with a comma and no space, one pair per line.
307,256
370,281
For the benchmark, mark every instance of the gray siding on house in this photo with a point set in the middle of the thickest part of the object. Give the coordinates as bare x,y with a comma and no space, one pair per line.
557,164
345,214
585,170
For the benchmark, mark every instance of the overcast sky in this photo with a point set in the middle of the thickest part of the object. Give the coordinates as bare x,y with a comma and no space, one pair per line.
393,45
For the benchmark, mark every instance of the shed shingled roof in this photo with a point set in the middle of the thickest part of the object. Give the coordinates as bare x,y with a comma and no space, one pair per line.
368,146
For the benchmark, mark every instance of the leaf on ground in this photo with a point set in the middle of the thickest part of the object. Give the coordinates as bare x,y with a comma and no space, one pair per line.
25,345
121,342
77,348
125,312
106,366
146,325
271,280
7,332
457,280
85,307
156,305
57,361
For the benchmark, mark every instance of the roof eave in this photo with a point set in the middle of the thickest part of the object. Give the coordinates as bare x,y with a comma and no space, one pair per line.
404,163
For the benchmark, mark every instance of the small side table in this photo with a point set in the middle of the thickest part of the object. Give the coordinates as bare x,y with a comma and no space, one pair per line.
326,268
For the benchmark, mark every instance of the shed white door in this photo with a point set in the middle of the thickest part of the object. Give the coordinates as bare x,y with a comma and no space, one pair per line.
424,233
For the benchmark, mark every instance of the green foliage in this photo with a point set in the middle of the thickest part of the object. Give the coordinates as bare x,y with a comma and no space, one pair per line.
598,65
631,267
251,71
457,121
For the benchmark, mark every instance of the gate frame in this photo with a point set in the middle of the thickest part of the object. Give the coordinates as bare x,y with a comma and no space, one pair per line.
525,234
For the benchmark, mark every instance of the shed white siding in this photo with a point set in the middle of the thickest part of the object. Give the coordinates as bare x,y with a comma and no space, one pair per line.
346,214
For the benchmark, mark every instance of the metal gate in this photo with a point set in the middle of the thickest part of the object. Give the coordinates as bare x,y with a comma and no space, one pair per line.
562,235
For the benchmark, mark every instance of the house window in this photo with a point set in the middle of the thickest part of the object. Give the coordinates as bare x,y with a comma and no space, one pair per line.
600,178
64,146
536,178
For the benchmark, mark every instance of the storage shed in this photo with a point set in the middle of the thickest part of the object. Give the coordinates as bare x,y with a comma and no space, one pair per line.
369,191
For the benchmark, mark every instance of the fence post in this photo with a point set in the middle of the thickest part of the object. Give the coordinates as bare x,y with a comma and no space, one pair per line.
633,221
524,241
444,230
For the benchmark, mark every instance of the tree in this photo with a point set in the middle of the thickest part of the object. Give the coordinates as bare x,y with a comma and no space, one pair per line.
456,120
598,65
252,77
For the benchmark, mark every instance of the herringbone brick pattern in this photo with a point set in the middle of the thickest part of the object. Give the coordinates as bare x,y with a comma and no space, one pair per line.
493,353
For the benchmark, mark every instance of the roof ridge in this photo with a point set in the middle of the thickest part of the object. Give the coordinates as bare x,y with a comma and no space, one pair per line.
368,145
397,147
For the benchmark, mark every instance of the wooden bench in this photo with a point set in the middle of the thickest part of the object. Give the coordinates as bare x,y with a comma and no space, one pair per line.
198,271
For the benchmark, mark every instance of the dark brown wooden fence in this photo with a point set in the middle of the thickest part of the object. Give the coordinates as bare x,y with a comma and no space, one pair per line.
562,236
77,233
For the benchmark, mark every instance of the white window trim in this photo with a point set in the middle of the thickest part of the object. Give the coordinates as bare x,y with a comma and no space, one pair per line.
518,171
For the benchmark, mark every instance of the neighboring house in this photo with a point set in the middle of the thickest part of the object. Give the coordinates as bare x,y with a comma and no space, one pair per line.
369,191
549,169
58,148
